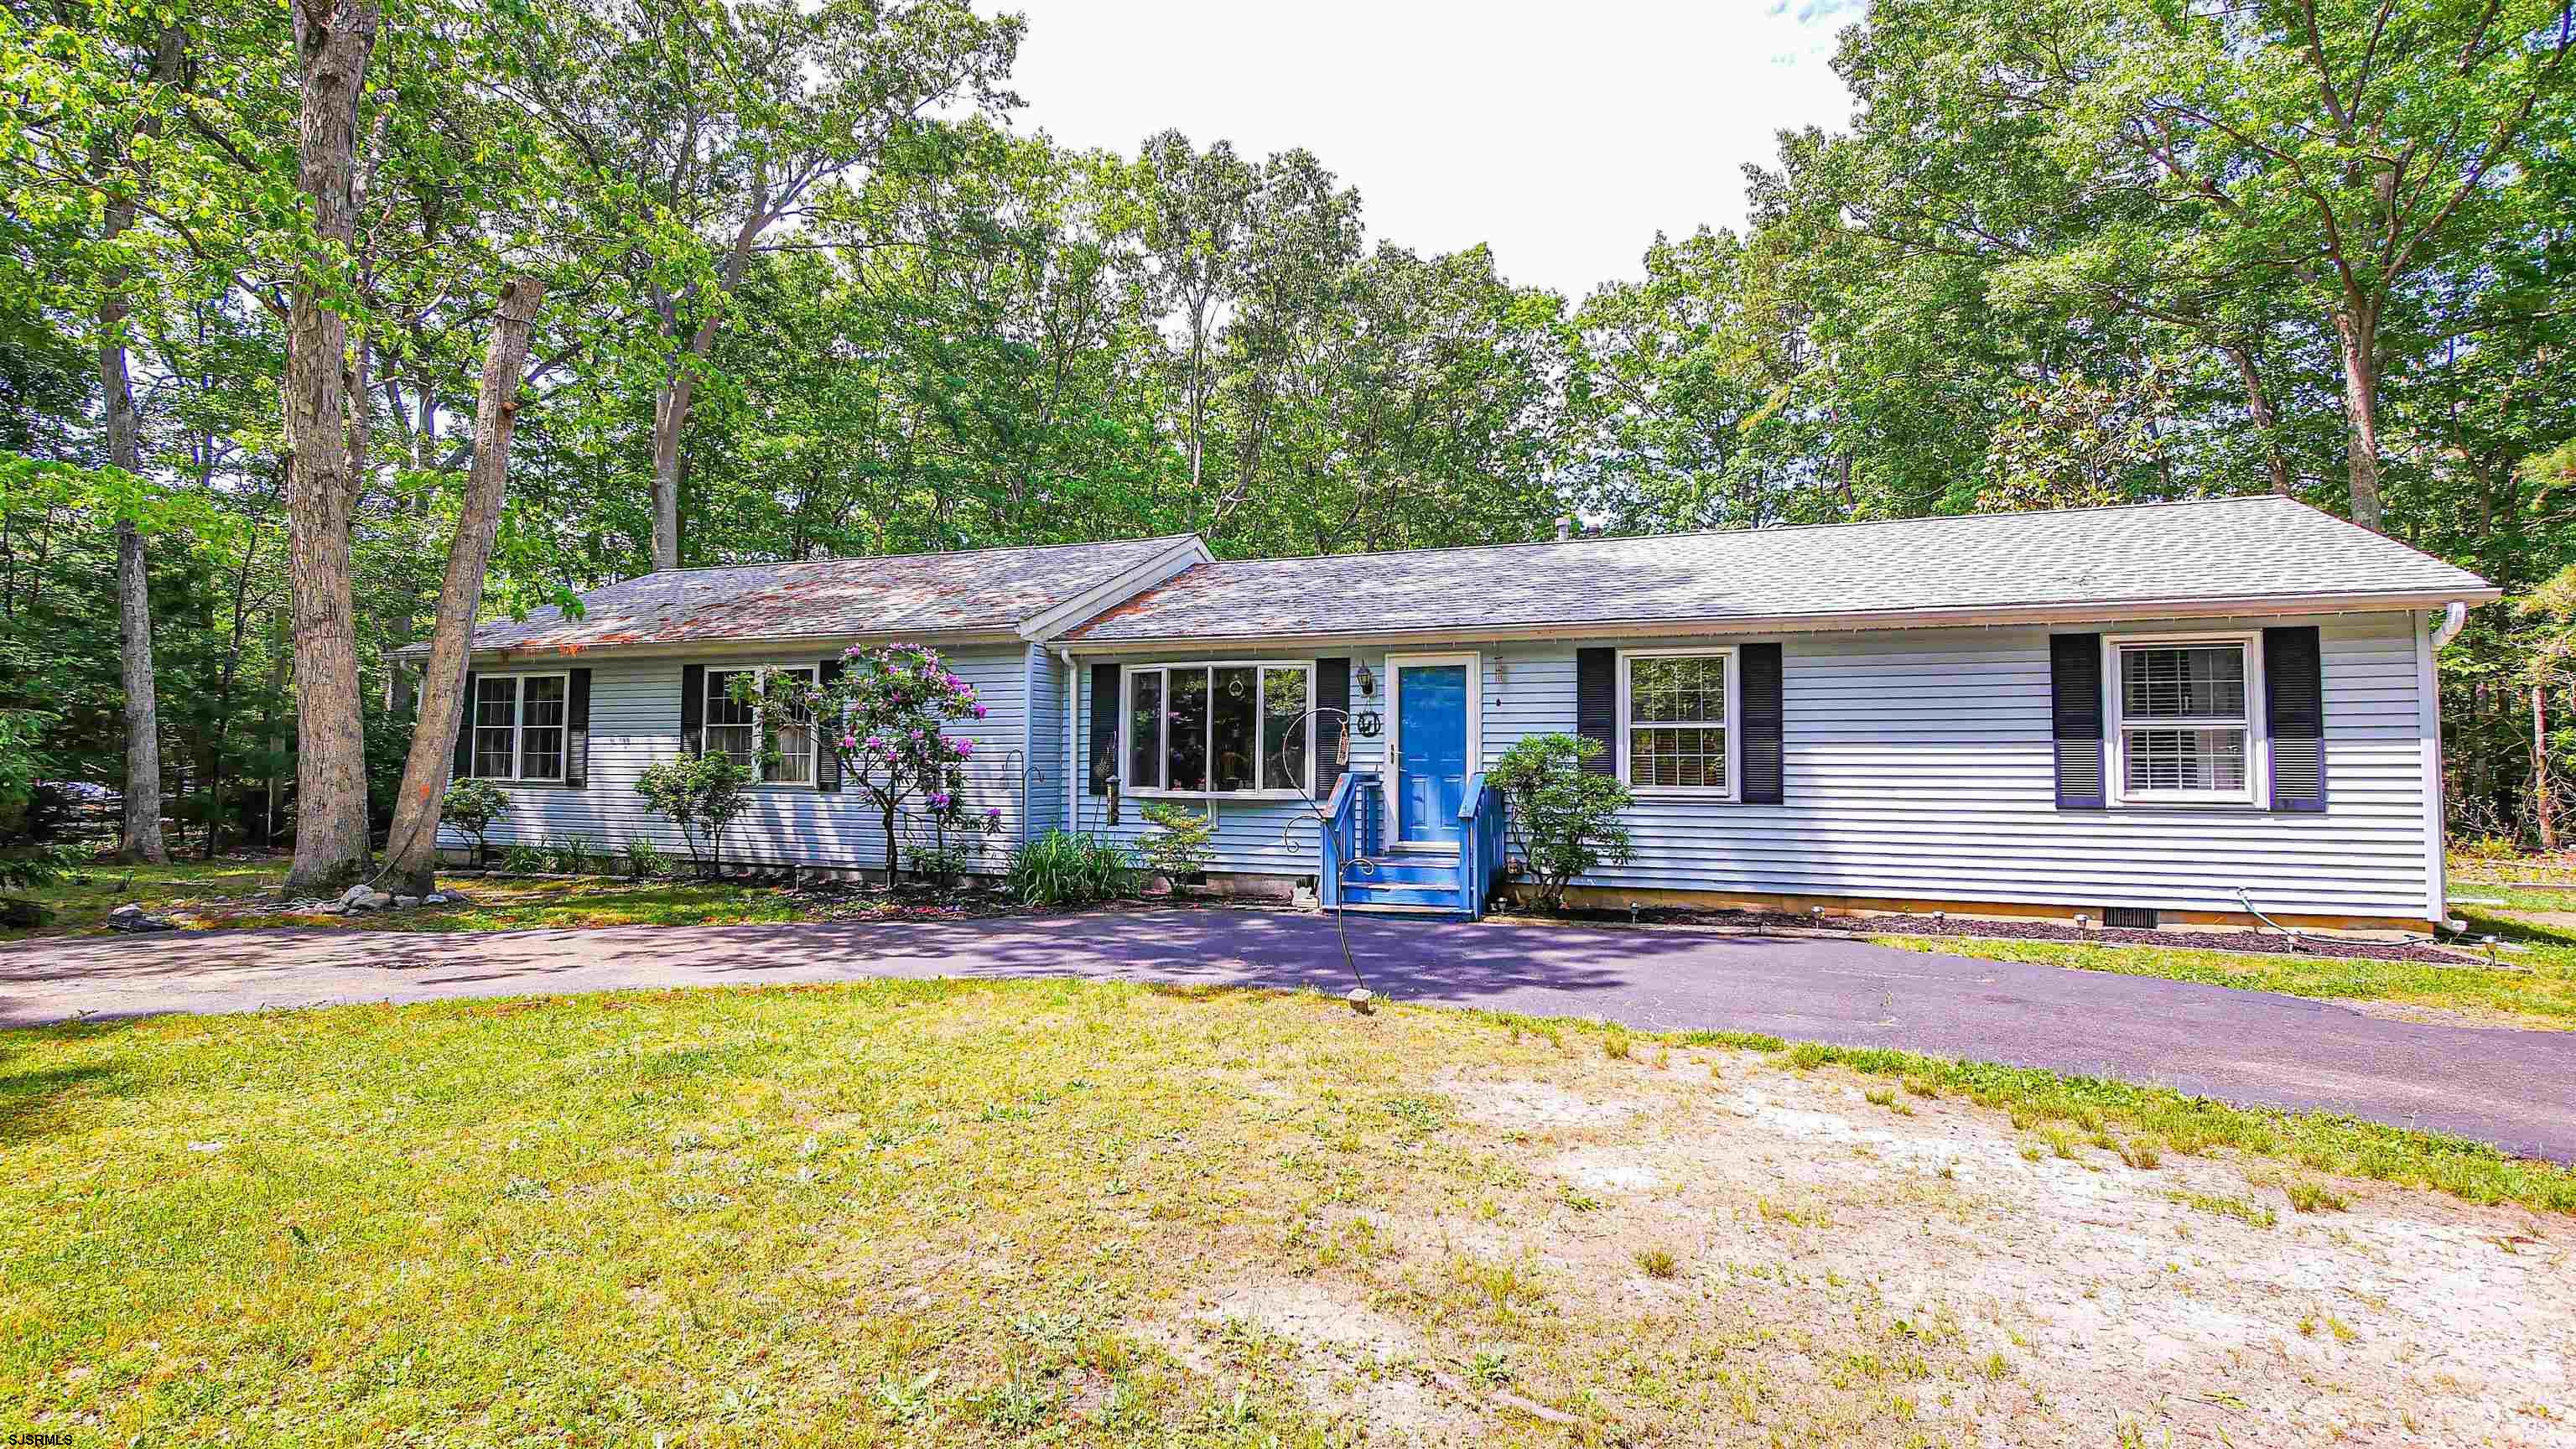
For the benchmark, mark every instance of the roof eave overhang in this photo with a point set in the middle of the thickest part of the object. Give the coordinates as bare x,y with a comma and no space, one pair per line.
1991,616
761,644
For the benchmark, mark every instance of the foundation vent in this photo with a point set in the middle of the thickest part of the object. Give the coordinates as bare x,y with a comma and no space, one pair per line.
2130,918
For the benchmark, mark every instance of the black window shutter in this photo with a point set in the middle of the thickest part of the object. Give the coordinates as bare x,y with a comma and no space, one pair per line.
1105,705
577,730
1596,706
465,732
1331,724
827,761
1762,717
2075,712
2294,716
693,708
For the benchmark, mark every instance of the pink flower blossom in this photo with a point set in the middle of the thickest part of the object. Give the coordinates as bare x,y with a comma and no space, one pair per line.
965,748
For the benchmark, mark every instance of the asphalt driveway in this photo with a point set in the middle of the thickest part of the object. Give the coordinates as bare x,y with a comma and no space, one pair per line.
2514,1088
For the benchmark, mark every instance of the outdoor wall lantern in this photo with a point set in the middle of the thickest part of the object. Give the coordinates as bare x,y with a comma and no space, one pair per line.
1368,681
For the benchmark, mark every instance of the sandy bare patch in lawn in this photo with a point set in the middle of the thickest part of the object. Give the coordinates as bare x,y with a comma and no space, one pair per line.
1767,1252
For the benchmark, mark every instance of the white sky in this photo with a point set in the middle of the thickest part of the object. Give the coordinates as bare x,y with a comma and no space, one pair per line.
1562,136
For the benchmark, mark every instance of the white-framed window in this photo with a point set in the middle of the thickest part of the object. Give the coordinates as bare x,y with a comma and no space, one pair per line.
738,728
519,725
2183,719
1222,728
1677,722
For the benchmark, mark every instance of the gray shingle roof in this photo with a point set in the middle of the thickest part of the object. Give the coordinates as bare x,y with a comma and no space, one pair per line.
2213,550
984,591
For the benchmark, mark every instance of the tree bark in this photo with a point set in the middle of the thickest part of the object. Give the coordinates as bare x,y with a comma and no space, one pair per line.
411,853
2357,333
680,380
2540,803
139,839
334,39
2259,404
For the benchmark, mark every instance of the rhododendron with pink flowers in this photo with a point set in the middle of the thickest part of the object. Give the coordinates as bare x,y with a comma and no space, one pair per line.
884,717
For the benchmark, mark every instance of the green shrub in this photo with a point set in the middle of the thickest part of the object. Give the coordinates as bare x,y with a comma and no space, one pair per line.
702,794
645,858
937,862
1564,818
1058,869
573,856
1183,840
472,806
519,859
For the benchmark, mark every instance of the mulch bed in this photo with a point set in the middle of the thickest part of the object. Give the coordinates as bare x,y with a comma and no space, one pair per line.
2238,942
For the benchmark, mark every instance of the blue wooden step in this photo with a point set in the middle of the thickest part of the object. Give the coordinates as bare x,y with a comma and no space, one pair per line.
1406,893
1416,870
1406,912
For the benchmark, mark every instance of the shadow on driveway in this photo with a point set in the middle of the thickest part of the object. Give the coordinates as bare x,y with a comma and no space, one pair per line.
2514,1088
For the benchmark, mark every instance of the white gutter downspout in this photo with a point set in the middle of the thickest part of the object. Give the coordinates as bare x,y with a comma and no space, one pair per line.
1072,737
2455,617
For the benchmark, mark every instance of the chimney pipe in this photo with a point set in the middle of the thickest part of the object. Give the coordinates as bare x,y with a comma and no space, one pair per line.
1564,529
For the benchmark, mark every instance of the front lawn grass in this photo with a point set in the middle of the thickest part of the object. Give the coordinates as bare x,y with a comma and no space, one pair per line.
895,1212
2539,993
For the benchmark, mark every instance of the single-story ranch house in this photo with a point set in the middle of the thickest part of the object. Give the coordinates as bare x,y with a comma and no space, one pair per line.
2165,713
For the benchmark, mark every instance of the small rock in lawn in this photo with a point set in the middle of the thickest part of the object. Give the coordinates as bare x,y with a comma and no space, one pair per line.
434,898
451,898
132,917
365,898
404,903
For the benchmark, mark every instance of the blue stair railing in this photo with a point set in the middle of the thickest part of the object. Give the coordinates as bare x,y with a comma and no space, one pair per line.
1351,868
1338,839
1480,844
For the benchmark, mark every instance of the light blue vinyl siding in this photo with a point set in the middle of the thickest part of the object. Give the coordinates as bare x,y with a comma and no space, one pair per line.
1918,763
635,721
1045,692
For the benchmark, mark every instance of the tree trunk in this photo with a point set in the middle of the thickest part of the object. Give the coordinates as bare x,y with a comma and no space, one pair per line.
889,839
2540,767
2259,404
139,839
680,382
411,853
333,46
2357,332
670,416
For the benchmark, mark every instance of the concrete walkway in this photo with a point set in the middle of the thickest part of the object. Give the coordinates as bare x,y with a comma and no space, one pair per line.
2513,1088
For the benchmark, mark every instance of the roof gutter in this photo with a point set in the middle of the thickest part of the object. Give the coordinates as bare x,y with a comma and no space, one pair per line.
2258,606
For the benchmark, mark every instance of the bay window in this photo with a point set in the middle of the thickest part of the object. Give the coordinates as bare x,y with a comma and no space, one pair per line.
1219,729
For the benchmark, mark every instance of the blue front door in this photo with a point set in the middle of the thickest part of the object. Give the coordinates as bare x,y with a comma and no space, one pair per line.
1431,752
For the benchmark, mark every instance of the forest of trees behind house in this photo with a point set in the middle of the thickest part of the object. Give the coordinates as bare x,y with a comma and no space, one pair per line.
813,285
